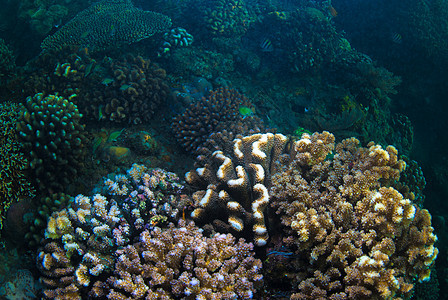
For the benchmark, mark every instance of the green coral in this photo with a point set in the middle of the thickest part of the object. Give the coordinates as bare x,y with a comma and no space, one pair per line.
53,136
13,182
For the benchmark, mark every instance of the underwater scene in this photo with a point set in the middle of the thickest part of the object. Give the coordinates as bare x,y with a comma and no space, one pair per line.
224,149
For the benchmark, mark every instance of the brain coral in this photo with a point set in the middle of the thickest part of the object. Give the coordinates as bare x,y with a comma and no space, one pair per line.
353,235
107,24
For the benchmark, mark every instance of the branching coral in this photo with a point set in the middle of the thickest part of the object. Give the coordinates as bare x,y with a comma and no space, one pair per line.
132,90
81,240
217,112
108,24
179,262
363,237
14,184
51,131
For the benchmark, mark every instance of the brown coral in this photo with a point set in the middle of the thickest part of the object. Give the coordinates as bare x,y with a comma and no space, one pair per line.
180,262
233,186
217,112
363,237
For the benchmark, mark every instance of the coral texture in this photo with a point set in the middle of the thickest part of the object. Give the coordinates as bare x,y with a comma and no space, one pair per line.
107,24
7,60
132,90
82,240
51,131
180,263
214,113
233,187
14,185
353,235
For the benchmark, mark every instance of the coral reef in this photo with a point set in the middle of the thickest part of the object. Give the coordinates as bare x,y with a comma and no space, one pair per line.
362,237
179,262
81,240
214,113
122,90
108,24
52,134
43,16
233,187
14,184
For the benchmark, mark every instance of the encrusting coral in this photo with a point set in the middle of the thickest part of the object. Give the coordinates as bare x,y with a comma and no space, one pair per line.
107,24
353,235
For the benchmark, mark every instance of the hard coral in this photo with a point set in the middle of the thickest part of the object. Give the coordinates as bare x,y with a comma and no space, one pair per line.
363,237
51,131
14,185
217,112
179,262
81,241
131,91
233,187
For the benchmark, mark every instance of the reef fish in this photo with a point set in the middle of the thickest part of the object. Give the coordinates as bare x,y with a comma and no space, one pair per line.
396,38
246,111
107,81
266,45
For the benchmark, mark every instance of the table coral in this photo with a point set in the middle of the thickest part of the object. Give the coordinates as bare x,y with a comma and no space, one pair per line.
108,24
354,235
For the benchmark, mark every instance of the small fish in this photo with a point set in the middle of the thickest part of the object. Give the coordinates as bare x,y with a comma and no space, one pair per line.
107,81
124,87
396,38
100,113
266,45
280,253
333,11
114,135
246,111
96,143
89,69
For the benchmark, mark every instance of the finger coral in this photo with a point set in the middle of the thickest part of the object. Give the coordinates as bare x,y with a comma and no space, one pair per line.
80,241
354,235
179,262
107,24
50,129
